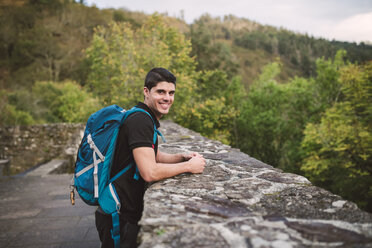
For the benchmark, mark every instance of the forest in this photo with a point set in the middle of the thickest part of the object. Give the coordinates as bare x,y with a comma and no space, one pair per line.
299,103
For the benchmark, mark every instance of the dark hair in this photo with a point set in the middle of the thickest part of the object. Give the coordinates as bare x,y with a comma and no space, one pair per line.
157,75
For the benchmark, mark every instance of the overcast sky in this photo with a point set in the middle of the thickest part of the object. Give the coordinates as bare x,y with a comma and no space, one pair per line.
344,20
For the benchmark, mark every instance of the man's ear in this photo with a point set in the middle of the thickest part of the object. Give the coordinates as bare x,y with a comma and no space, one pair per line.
146,91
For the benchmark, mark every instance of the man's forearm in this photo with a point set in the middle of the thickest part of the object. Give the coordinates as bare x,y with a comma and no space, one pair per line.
167,158
165,170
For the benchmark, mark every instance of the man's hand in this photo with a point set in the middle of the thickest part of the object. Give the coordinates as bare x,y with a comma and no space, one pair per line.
187,157
197,163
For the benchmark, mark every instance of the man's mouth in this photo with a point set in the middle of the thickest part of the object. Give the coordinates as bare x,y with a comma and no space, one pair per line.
164,105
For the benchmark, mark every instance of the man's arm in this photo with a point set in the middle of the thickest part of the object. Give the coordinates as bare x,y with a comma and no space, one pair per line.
151,170
167,158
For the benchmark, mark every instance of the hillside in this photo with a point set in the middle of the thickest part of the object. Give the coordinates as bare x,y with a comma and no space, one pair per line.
246,46
46,41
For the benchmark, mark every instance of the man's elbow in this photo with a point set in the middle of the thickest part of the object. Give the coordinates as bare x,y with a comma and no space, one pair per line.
149,177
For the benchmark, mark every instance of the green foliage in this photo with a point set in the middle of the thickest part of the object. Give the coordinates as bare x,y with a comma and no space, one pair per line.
76,105
44,40
214,106
211,84
47,102
270,126
210,52
211,118
268,74
119,16
65,102
338,150
299,51
256,39
260,118
357,90
327,80
120,57
320,126
10,115
48,94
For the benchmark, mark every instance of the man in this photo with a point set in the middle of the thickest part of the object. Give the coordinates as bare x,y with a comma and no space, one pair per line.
135,143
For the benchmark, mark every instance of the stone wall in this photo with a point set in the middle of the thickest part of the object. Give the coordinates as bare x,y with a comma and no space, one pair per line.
241,202
28,146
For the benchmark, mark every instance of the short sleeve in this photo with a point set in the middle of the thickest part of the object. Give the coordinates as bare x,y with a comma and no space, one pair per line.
140,130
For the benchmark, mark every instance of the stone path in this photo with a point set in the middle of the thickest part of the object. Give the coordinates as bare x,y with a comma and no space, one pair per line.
35,212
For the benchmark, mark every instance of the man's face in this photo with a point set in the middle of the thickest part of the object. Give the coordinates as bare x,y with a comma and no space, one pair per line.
160,98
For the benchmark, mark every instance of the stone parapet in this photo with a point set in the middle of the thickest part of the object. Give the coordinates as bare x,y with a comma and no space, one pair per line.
241,202
27,146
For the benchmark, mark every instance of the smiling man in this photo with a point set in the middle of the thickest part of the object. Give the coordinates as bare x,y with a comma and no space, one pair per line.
135,144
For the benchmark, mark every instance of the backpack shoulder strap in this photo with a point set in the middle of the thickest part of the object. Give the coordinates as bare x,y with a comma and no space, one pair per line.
156,131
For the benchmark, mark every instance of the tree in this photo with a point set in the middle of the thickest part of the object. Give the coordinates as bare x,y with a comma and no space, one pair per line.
273,117
214,106
120,57
327,80
339,148
260,117
210,52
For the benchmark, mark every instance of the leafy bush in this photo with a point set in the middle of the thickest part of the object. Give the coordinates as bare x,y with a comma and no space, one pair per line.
65,102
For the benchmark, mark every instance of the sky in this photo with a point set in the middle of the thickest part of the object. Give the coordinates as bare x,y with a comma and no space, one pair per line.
343,20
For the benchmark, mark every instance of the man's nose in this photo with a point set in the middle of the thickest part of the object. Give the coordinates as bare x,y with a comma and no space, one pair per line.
166,97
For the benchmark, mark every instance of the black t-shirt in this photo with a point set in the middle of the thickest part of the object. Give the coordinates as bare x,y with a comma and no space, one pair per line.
137,131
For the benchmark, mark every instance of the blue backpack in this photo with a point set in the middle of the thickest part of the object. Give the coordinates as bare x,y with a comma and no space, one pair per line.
94,161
